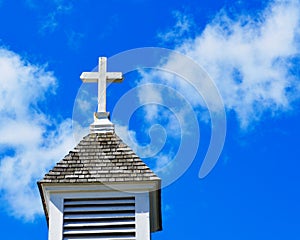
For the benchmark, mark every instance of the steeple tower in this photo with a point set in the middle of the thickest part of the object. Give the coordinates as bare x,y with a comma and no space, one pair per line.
101,189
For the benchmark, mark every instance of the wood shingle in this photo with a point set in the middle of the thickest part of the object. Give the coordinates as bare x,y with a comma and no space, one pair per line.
100,158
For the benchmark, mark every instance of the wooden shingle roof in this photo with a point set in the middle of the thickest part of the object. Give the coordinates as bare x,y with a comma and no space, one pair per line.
100,158
103,158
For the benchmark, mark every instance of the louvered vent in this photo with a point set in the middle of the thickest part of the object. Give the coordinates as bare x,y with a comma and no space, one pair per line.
99,218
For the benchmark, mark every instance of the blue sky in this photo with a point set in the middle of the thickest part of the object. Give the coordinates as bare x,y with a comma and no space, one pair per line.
249,50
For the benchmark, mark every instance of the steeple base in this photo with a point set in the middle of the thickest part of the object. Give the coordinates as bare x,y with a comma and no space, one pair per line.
101,123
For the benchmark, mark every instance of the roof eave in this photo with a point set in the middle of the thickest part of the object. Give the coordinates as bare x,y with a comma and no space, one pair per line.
43,201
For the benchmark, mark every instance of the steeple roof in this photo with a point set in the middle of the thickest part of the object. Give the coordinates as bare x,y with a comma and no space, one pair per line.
103,158
100,158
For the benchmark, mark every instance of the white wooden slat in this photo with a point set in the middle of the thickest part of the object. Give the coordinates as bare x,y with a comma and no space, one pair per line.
99,224
98,208
87,202
98,216
96,231
99,238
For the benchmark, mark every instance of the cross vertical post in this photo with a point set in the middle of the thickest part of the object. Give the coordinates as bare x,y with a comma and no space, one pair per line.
102,85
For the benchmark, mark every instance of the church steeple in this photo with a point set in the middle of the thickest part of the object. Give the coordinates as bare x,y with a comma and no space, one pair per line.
101,189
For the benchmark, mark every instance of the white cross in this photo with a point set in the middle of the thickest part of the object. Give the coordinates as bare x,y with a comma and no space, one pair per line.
101,77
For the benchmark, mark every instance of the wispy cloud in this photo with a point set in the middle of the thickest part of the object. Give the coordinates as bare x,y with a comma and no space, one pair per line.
251,59
50,11
74,39
31,141
184,28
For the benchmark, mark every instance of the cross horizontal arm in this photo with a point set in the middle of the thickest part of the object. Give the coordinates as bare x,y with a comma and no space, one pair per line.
88,77
114,77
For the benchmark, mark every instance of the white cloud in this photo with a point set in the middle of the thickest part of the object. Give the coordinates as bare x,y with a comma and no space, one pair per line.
149,94
74,39
183,27
55,8
30,140
250,59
